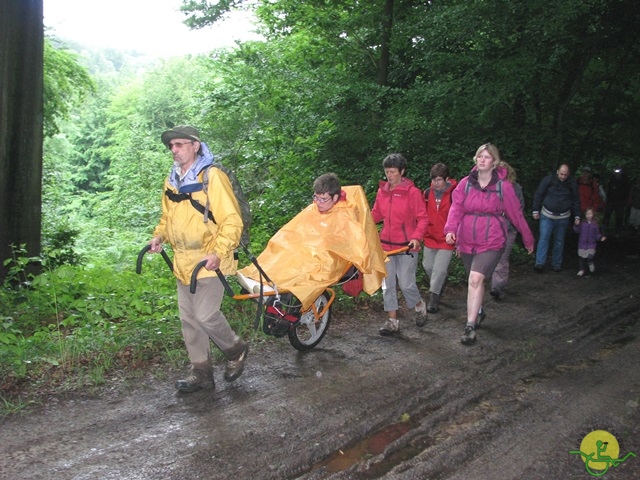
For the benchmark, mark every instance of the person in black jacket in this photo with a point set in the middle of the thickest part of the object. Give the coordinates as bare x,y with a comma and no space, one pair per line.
617,199
634,207
555,202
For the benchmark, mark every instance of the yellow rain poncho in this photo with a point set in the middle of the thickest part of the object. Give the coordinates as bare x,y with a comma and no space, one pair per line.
315,249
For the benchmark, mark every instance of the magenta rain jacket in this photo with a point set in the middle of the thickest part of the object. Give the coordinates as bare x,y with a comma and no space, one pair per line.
403,211
477,216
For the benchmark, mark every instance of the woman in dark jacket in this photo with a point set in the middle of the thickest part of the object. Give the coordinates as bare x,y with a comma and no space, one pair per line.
501,273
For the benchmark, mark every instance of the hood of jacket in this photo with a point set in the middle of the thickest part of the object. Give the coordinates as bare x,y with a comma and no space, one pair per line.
405,184
498,173
203,160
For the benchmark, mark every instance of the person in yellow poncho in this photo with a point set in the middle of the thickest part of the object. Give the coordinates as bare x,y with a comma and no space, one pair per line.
318,245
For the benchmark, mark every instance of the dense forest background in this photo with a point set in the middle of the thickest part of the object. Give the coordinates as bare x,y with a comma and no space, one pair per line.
335,86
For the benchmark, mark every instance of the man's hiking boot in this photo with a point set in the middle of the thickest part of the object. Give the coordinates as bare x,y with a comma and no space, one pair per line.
496,294
469,335
434,303
200,376
236,366
391,326
421,314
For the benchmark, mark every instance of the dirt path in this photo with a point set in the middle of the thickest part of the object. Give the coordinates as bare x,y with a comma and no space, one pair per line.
557,359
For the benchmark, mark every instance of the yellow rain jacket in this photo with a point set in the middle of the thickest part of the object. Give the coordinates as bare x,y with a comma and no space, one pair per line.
191,238
315,249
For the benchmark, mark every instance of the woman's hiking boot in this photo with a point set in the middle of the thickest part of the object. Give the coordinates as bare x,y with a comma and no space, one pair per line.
434,303
200,376
469,335
481,316
421,314
391,326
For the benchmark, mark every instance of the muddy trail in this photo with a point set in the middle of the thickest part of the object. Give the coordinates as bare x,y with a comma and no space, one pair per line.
558,358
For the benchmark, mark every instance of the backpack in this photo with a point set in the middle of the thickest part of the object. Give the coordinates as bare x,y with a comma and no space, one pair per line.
245,209
498,188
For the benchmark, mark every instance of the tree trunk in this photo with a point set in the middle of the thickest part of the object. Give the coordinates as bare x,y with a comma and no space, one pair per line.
21,104
385,43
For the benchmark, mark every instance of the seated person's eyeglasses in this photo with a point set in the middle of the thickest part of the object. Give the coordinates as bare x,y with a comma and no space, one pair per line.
318,199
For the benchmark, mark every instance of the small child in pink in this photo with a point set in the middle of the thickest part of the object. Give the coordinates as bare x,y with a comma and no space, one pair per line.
589,231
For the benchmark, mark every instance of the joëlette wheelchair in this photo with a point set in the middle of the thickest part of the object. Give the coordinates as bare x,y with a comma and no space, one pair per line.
278,309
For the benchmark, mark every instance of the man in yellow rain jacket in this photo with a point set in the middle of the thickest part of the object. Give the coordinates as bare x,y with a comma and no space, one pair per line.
193,240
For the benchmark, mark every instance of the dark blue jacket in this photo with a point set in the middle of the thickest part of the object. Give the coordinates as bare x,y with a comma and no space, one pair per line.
556,196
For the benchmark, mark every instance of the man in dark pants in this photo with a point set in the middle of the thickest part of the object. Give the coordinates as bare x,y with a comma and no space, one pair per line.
555,202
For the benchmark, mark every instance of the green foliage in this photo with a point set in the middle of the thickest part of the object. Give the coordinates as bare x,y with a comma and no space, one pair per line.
65,84
337,86
59,246
519,255
514,74
312,100
457,275
138,163
73,320
17,266
77,327
203,13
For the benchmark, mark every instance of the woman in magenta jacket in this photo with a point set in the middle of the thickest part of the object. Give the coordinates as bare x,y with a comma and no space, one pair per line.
478,227
400,205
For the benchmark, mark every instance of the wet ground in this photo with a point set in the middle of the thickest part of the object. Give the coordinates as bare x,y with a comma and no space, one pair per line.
558,358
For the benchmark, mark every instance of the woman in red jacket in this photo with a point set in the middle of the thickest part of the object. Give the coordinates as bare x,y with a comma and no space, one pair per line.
437,252
400,205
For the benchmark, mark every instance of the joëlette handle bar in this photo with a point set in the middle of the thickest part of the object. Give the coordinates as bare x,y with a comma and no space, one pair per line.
194,276
194,279
227,287
399,251
145,250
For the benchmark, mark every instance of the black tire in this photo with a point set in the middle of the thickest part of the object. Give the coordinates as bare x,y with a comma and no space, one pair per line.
308,332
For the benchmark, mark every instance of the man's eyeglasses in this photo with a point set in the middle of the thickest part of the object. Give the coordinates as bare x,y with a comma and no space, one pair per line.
177,144
318,199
